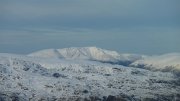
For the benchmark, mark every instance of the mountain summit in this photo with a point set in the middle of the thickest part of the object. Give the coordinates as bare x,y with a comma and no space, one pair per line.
87,53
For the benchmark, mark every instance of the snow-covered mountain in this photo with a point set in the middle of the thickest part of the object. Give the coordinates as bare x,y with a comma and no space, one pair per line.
166,62
80,74
88,53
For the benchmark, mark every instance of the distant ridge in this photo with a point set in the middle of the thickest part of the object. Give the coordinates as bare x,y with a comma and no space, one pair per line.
166,62
87,53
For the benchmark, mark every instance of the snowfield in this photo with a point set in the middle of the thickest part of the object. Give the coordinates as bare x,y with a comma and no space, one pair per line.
87,74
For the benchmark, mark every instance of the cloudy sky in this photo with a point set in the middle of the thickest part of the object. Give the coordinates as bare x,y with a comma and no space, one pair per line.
128,26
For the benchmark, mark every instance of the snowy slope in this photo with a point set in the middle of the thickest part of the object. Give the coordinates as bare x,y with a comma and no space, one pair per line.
26,78
166,62
87,53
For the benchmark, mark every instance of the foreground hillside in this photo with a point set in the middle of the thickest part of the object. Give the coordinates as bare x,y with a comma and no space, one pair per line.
33,78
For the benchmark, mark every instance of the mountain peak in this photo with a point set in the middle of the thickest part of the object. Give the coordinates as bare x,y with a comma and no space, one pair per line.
87,53
92,53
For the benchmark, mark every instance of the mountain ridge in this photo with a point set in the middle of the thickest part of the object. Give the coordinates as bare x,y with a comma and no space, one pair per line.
88,53
165,62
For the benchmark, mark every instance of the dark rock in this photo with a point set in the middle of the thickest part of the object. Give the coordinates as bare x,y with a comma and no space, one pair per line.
85,91
149,99
123,63
104,98
107,74
114,98
111,98
26,68
94,98
57,75
137,72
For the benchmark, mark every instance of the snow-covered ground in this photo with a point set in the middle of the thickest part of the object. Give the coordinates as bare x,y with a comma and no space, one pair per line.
86,74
